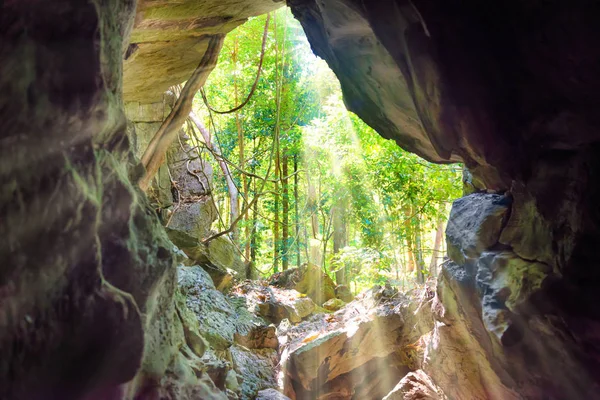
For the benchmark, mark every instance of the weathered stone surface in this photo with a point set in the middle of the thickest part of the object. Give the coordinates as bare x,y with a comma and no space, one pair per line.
271,394
182,383
275,304
527,231
309,279
85,266
333,304
257,369
217,318
343,293
222,320
475,225
169,39
416,386
258,337
317,350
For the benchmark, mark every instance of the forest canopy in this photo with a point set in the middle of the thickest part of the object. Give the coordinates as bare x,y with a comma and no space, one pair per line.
302,179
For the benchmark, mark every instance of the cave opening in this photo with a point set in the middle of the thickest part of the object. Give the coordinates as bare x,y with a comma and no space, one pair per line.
96,302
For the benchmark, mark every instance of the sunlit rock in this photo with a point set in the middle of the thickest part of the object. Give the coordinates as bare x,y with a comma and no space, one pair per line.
333,304
308,279
343,293
323,353
169,39
416,386
271,394
275,304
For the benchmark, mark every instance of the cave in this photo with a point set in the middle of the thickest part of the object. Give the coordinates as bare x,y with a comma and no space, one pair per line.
511,89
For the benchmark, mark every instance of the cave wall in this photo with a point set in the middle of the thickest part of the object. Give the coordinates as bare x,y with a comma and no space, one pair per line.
82,252
510,88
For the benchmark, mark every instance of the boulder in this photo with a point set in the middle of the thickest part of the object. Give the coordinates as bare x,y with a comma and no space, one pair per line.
475,225
216,317
271,394
324,354
333,304
308,279
344,293
507,283
416,386
222,319
275,304
527,232
256,369
258,337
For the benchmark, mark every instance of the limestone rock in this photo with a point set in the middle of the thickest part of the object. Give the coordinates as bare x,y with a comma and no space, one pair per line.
275,304
507,283
257,369
216,317
527,232
317,351
222,320
169,39
231,381
258,337
343,293
416,386
271,394
333,304
475,225
309,279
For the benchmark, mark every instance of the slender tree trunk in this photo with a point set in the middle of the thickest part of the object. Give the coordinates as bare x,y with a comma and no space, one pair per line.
232,189
339,236
437,254
253,232
296,216
312,206
242,159
327,226
276,227
278,84
285,205
155,153
408,229
419,252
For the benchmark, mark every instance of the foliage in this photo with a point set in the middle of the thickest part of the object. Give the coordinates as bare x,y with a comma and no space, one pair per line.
365,206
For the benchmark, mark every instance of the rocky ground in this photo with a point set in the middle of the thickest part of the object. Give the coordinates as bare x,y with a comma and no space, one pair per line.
268,340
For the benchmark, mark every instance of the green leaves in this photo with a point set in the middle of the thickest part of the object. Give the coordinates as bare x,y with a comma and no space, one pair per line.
391,199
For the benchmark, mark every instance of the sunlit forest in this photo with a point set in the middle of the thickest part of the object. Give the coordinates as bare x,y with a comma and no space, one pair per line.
298,178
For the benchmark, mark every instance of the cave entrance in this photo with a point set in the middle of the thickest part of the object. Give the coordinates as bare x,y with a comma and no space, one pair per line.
290,210
295,178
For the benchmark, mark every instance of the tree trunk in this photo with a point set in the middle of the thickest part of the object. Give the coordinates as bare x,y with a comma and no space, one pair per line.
437,254
312,207
408,231
285,205
155,153
296,216
231,187
419,252
339,236
242,159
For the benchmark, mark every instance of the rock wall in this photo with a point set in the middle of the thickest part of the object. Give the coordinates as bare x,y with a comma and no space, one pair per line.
84,259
